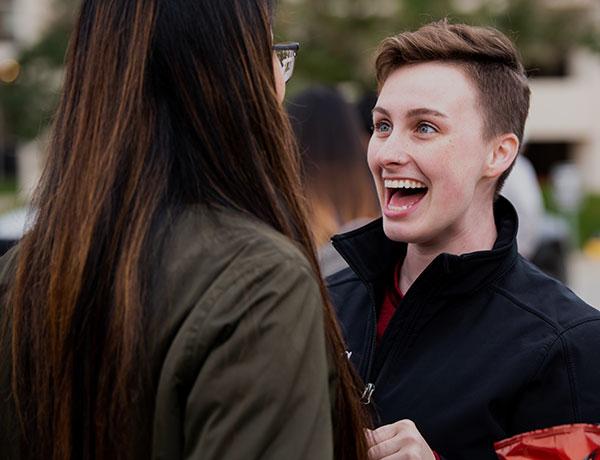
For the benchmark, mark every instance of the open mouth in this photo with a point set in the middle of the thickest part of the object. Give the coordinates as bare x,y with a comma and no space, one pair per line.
403,194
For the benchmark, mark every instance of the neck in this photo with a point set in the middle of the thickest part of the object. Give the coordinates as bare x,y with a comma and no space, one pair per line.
479,236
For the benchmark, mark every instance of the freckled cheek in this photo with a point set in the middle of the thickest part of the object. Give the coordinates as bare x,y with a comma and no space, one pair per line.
446,173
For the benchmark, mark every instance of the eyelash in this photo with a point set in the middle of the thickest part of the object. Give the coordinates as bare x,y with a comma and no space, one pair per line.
377,125
425,124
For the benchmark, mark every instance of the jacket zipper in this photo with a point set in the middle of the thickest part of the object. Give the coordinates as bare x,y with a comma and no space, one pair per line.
369,386
408,330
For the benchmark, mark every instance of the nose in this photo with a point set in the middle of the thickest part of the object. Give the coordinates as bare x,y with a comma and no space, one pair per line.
389,151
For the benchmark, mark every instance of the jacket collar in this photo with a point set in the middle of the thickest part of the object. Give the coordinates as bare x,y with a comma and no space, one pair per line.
372,256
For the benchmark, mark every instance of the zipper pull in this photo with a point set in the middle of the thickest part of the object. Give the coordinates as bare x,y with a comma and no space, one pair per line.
367,394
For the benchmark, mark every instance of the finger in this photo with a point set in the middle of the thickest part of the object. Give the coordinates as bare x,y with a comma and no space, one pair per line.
386,432
383,433
387,448
370,439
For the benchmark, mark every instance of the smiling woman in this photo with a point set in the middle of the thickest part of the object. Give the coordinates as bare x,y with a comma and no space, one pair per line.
428,130
461,340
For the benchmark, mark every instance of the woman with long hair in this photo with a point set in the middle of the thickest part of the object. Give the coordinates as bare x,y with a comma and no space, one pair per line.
166,302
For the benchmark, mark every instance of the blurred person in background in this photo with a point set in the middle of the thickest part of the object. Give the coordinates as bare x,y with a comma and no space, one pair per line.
167,301
524,192
335,174
541,238
364,107
461,341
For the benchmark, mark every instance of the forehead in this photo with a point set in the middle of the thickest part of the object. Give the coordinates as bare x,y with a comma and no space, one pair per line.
436,85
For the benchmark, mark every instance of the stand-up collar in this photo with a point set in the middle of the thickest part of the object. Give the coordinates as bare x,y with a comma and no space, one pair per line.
371,255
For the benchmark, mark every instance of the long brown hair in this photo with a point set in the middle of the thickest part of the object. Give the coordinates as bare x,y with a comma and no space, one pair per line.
165,103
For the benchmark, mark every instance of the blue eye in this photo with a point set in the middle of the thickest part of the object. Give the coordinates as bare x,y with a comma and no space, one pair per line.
383,127
425,128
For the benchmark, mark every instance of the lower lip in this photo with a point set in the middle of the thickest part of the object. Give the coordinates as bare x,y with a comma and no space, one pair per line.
396,213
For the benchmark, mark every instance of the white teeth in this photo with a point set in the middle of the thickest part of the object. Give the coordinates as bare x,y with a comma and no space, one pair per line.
403,183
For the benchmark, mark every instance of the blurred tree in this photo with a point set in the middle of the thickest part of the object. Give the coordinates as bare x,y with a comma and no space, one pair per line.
27,103
339,37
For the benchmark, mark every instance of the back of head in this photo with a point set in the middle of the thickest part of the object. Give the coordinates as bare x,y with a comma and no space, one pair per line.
485,55
165,103
334,167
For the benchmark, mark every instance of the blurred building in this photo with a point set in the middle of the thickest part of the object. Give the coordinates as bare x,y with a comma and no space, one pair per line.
563,122
565,107
565,104
22,23
8,51
565,101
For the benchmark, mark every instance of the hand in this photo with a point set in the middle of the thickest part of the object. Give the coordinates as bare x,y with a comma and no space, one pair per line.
398,441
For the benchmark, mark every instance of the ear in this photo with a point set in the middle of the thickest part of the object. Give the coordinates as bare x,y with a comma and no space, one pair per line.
504,151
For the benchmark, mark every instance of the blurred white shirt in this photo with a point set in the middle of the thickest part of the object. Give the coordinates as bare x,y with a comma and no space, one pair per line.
523,190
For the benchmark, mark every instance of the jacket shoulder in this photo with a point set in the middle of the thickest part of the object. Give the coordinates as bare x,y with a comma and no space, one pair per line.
247,304
206,251
225,234
340,278
534,293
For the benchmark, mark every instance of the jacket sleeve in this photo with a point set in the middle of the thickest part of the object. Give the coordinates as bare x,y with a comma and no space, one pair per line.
261,392
566,386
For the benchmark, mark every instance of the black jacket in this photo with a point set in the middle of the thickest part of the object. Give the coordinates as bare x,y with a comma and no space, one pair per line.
483,346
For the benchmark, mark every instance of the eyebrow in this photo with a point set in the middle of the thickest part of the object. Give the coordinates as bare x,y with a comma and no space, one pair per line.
414,112
425,111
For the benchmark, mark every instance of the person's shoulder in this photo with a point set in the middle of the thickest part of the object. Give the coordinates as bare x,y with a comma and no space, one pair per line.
534,293
227,235
341,279
215,265
346,291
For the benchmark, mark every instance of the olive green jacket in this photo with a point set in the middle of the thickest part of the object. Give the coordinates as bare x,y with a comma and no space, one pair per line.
238,347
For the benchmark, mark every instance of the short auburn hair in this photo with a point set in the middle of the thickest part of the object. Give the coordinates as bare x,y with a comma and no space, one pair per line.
487,57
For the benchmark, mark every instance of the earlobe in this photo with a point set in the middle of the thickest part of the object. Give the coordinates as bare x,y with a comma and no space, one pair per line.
503,154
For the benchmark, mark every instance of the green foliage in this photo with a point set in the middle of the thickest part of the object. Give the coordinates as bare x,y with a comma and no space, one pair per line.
339,47
338,37
589,218
8,186
28,103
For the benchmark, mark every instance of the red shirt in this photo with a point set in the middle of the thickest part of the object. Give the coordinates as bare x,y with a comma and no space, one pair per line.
393,297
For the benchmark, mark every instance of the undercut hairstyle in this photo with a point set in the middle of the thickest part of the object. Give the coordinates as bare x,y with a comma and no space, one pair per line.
487,57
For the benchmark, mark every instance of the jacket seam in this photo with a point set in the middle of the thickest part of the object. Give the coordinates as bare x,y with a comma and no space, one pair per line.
560,332
571,377
570,366
191,343
523,306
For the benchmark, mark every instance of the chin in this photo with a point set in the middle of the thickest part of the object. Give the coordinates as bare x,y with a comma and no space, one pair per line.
399,232
411,234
